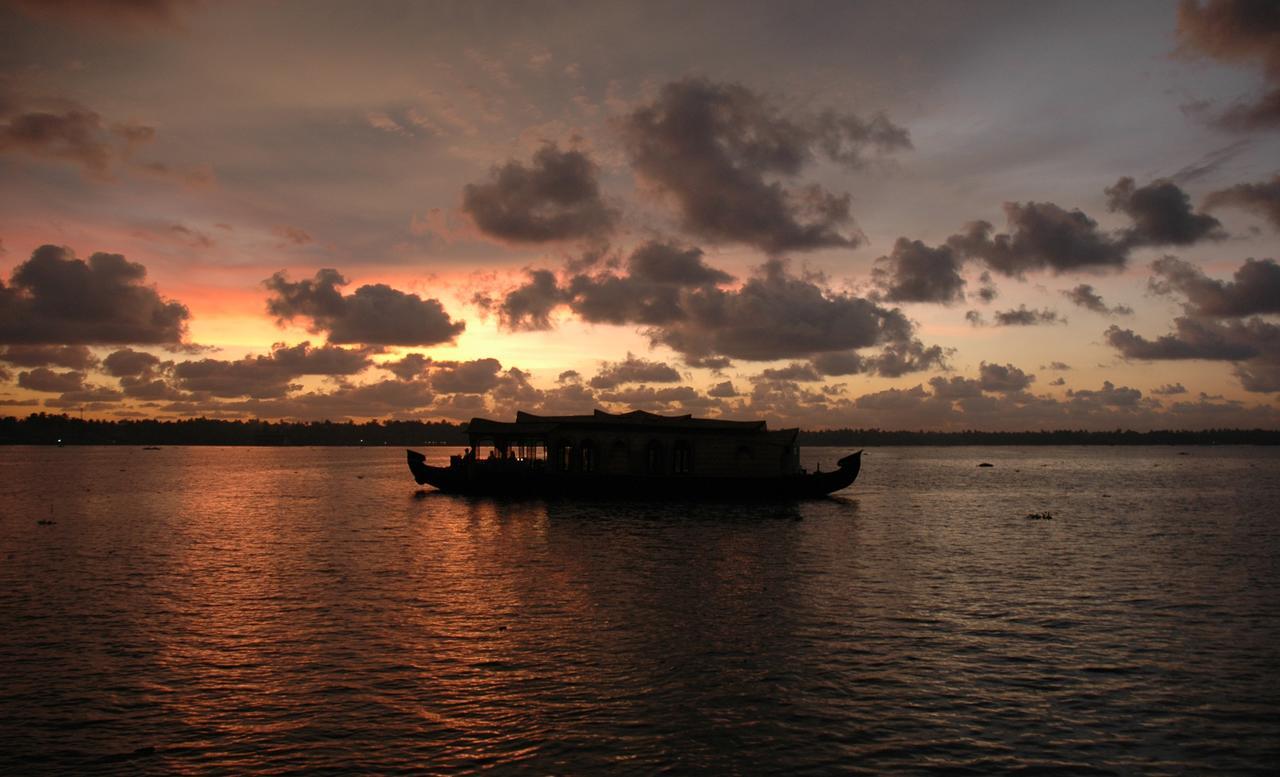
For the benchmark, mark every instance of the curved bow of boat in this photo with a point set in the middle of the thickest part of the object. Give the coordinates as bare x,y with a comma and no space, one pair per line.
424,473
823,483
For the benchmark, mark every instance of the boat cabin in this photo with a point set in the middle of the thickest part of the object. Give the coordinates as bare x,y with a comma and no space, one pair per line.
635,443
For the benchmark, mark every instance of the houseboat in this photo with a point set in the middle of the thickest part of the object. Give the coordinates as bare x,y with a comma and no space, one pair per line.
634,454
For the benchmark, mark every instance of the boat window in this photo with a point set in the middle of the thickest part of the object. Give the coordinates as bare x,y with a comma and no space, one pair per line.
618,456
588,456
653,455
566,457
682,458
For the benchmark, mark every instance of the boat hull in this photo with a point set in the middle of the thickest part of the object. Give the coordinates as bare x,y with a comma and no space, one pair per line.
481,481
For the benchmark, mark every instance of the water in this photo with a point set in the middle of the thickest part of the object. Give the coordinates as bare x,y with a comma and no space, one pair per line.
270,609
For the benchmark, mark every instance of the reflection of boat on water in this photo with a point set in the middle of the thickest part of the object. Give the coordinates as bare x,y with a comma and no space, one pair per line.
634,454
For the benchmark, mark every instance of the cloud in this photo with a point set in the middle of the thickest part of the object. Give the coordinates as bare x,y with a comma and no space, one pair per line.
1084,296
796,371
1170,389
72,134
1237,32
410,367
1003,378
723,390
1161,215
468,377
45,379
268,376
375,314
915,272
76,357
633,370
647,292
555,198
1255,287
1262,198
1253,345
898,359
1109,395
838,363
721,151
1041,236
54,298
292,235
777,315
1020,316
128,362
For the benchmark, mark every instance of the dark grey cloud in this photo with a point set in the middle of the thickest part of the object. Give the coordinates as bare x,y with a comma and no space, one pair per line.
467,377
1041,236
901,358
1255,287
72,134
633,369
667,263
648,291
1169,389
987,291
721,152
1109,395
128,362
1238,32
409,367
837,363
774,315
76,357
1262,198
1254,344
1056,366
268,376
54,298
1003,378
1161,214
799,372
915,272
1084,296
723,390
556,197
955,388
1019,316
777,315
375,314
529,306
45,379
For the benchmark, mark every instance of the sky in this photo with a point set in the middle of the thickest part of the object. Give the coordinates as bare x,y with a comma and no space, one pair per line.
906,215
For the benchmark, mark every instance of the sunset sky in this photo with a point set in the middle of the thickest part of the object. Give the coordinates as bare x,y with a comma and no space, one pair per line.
909,215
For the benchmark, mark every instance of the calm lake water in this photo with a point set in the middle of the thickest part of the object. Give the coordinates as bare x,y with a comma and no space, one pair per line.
264,610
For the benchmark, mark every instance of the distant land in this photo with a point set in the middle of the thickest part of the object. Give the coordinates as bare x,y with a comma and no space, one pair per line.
46,429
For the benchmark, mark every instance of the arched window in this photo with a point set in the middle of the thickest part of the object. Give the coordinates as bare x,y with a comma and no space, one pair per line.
588,456
653,457
682,458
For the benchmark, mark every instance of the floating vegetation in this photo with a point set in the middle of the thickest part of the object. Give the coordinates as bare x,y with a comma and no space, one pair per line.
1039,516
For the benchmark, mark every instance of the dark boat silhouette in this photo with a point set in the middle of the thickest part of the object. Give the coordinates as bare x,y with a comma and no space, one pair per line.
634,454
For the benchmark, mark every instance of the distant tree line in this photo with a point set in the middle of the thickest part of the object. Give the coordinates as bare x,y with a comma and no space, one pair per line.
46,429
882,437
